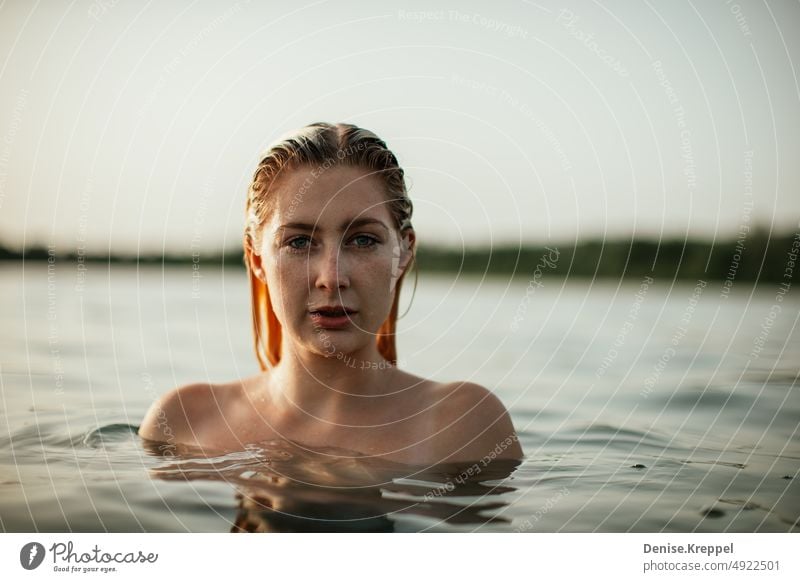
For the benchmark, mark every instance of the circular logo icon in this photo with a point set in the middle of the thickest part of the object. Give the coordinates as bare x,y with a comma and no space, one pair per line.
31,555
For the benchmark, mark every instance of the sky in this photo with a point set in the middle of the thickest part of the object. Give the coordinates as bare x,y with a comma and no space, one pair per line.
136,126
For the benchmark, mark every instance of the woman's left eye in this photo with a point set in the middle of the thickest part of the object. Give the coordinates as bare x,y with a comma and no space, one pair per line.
364,241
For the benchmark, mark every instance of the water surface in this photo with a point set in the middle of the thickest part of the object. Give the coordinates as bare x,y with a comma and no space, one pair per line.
656,407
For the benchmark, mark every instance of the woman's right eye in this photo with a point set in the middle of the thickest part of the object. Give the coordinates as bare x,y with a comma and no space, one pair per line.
298,243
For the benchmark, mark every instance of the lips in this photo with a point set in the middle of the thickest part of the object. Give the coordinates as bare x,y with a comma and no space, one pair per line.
331,316
331,310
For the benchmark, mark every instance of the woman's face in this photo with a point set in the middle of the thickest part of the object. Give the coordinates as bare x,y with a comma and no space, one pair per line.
331,242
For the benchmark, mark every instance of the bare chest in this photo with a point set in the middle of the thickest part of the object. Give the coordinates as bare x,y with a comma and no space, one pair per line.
407,438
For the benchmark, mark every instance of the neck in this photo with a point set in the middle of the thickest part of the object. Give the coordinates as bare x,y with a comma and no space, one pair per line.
332,387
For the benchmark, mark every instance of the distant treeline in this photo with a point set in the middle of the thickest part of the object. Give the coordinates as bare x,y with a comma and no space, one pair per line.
755,257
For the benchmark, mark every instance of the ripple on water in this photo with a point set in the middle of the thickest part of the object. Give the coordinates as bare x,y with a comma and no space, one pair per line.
703,397
108,435
593,435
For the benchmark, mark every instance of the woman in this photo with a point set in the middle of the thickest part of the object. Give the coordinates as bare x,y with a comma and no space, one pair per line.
327,244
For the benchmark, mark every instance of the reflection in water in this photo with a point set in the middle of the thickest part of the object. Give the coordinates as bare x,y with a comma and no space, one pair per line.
281,486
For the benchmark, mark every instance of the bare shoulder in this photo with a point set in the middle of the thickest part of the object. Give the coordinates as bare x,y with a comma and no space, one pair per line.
474,423
179,415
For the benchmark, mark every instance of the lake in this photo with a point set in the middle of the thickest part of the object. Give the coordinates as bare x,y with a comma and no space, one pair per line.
641,405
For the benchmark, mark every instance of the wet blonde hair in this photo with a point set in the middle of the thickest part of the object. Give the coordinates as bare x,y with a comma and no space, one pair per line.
326,145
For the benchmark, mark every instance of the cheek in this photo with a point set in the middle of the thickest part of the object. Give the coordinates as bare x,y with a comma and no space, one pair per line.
374,273
375,286
287,284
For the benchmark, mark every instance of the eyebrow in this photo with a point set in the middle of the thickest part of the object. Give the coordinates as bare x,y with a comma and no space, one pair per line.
346,225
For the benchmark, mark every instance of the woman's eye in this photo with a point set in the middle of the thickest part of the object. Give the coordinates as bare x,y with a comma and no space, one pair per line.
364,241
298,243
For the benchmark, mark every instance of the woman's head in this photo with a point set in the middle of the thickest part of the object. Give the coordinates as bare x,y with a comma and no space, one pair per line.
328,224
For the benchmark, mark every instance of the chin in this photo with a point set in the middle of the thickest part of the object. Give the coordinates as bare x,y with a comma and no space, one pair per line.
341,347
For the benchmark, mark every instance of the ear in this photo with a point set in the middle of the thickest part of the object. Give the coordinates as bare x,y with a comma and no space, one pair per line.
407,246
254,261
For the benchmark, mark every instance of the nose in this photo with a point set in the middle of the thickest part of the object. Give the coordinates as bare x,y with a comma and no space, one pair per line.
331,271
